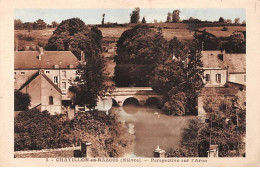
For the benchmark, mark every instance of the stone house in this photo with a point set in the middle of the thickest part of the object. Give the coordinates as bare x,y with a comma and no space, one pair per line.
224,76
45,95
59,69
220,68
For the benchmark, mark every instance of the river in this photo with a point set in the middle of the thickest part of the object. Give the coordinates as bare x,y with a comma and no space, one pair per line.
151,128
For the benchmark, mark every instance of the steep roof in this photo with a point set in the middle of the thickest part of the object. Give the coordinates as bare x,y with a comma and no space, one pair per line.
30,59
39,76
234,62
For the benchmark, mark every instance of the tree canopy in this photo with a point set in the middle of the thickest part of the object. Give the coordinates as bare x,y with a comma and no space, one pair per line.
236,43
72,35
21,101
176,16
135,15
138,50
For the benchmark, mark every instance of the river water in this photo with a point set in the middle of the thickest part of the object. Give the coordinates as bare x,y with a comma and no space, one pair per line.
151,128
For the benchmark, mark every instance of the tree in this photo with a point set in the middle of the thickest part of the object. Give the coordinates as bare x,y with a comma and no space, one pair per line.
176,16
138,50
236,43
207,41
72,35
221,20
135,16
18,24
179,78
143,20
21,101
169,18
103,18
28,26
39,24
54,24
229,21
236,20
35,130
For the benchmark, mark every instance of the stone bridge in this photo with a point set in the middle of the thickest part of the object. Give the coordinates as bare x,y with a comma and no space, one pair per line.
139,95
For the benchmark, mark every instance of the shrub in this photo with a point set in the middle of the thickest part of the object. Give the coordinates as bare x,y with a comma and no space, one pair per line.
25,37
21,101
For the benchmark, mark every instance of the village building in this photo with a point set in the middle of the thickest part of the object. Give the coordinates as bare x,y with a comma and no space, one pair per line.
224,77
42,73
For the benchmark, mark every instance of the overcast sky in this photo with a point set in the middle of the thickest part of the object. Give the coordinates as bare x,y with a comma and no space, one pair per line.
120,15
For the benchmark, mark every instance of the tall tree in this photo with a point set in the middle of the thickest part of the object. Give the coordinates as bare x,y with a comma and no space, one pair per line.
169,18
103,18
179,78
176,16
39,24
135,15
74,36
138,50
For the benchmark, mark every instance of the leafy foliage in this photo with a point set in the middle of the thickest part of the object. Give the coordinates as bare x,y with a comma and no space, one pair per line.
207,41
21,101
39,130
225,128
176,16
236,43
138,49
179,77
135,15
36,130
73,35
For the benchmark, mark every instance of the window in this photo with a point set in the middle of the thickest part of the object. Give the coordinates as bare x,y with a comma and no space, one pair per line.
15,73
244,78
47,72
63,73
207,77
50,100
218,78
22,73
56,79
63,85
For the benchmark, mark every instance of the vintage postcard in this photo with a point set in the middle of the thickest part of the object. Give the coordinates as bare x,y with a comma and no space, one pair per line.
129,83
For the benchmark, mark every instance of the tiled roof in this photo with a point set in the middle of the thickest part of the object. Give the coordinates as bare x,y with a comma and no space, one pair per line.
30,59
38,76
235,62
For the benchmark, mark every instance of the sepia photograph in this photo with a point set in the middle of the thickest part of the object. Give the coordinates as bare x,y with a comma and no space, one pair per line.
129,83
122,83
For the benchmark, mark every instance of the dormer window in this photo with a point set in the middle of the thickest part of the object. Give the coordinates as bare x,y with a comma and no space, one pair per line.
221,57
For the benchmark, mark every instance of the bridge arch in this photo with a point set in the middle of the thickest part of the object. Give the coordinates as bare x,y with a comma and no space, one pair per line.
114,102
153,102
131,101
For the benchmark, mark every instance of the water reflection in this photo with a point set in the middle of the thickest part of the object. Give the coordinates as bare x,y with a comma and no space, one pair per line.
151,128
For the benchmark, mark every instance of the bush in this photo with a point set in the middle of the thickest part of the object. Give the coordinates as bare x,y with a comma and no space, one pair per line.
21,101
35,130
224,28
25,37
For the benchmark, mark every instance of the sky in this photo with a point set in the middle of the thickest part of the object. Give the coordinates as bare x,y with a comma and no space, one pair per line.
122,15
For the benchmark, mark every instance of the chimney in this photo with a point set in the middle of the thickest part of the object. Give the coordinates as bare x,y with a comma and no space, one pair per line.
41,52
82,57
